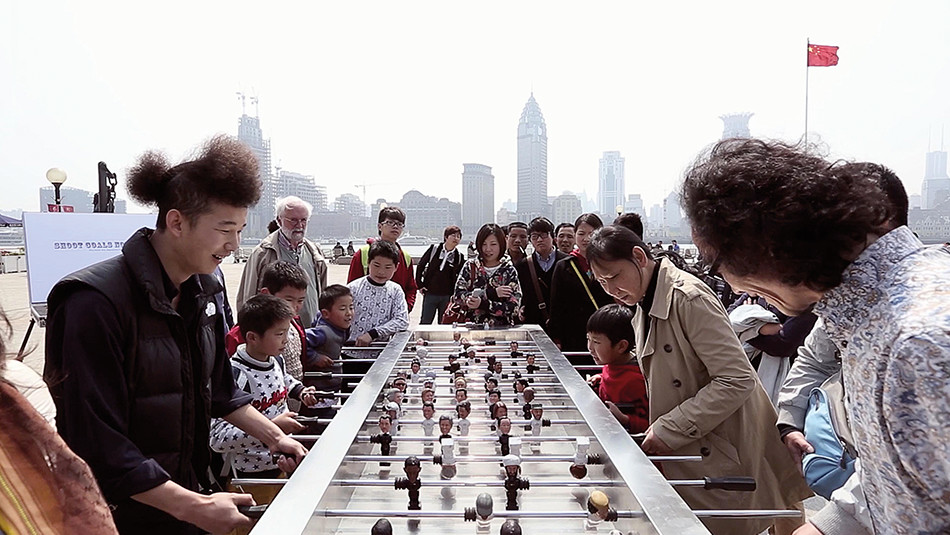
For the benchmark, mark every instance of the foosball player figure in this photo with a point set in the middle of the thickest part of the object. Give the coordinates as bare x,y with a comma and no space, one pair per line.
456,336
519,386
537,419
490,384
494,396
454,365
497,408
411,482
445,426
420,342
382,527
447,460
579,467
461,394
383,438
458,382
394,395
428,422
484,512
528,395
504,434
428,395
496,370
513,346
531,367
491,359
464,409
421,354
415,370
395,412
466,343
510,527
513,481
598,507
399,383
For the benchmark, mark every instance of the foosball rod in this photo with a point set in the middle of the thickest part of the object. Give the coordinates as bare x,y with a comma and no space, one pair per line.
739,484
524,458
540,438
482,421
702,513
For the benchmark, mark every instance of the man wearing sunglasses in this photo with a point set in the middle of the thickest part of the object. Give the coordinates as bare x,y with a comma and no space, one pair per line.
390,224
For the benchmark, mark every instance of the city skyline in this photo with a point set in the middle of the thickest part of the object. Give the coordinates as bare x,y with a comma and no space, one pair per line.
396,97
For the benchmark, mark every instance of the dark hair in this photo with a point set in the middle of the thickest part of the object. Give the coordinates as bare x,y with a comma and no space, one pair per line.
450,230
428,404
391,212
272,226
613,243
632,221
541,225
5,330
615,322
557,229
282,274
225,171
261,312
515,224
330,294
897,201
780,211
489,229
384,249
590,218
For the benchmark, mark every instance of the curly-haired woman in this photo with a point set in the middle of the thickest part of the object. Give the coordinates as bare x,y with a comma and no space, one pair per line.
487,288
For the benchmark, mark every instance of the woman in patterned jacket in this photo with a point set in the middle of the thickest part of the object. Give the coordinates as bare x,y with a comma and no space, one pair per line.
487,288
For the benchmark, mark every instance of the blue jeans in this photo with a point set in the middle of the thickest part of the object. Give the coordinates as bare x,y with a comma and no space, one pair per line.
432,304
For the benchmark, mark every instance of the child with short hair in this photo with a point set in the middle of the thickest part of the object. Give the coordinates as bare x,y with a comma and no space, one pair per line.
610,339
380,304
324,346
260,371
286,281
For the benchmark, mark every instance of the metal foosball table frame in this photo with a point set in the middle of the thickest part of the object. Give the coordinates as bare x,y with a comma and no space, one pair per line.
317,498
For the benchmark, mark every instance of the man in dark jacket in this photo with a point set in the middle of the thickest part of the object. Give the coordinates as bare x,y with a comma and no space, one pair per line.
436,274
536,271
135,353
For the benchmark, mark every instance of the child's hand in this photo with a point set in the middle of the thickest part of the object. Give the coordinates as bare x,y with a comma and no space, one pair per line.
323,362
473,302
504,292
308,396
594,381
621,417
364,340
287,424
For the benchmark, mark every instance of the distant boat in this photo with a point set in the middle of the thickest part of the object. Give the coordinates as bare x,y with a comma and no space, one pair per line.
408,241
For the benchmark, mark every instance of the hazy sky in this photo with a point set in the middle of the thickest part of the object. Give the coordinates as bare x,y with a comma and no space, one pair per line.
399,94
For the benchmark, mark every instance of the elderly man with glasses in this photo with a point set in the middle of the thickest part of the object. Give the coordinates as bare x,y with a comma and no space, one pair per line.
288,243
391,222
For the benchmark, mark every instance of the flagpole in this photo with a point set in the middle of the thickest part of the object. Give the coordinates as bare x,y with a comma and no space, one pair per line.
807,44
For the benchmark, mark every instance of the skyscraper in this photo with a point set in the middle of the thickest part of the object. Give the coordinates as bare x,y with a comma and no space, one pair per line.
612,189
565,208
736,125
478,197
250,133
936,187
532,163
300,185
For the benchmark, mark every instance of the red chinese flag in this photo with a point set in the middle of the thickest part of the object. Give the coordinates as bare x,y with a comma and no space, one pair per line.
822,56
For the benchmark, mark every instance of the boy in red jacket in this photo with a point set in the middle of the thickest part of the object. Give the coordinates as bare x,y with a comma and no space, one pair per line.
620,384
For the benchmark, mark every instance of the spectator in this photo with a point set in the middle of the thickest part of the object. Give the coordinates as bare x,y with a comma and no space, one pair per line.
337,250
620,383
324,348
436,274
516,236
349,249
487,288
142,423
390,224
810,235
536,272
290,244
379,303
632,221
564,237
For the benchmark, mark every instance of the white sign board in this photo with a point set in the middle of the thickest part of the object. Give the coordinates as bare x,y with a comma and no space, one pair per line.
58,244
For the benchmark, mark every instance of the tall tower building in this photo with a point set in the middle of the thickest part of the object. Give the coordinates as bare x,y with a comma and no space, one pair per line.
735,125
250,133
532,163
612,189
936,186
478,197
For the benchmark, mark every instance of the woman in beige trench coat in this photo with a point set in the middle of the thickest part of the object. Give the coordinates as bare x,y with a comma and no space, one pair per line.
705,397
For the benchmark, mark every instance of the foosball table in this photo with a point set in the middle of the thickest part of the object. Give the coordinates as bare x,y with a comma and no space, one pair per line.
427,444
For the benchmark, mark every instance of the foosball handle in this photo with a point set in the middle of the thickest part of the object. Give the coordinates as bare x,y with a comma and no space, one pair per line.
252,511
736,483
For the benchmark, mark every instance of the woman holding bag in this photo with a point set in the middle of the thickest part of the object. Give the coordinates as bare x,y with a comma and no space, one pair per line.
575,295
487,290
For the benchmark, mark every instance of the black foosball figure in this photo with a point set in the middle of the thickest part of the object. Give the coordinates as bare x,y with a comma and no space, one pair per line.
528,395
510,527
382,527
454,365
513,481
504,435
531,366
411,482
579,466
383,438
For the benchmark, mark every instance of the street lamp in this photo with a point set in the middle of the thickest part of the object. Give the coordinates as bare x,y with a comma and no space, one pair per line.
619,209
56,177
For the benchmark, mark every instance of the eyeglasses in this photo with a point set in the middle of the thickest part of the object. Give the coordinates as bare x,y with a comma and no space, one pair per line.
296,222
535,236
394,224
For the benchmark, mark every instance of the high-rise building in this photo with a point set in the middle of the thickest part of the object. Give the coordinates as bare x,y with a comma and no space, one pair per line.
532,163
478,196
351,204
565,208
736,125
250,133
503,216
634,204
428,216
936,187
612,190
303,186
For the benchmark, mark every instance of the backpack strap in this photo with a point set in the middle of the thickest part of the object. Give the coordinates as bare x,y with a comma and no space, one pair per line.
583,280
542,306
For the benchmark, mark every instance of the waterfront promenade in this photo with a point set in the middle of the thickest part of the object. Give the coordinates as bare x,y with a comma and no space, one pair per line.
15,301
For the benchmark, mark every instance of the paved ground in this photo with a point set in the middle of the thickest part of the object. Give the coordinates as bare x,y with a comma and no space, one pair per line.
15,301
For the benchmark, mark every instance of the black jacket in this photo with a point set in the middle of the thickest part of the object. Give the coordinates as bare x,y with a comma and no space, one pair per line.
529,298
435,280
135,381
571,306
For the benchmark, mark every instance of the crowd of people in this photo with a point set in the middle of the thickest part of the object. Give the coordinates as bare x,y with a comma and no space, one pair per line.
808,277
